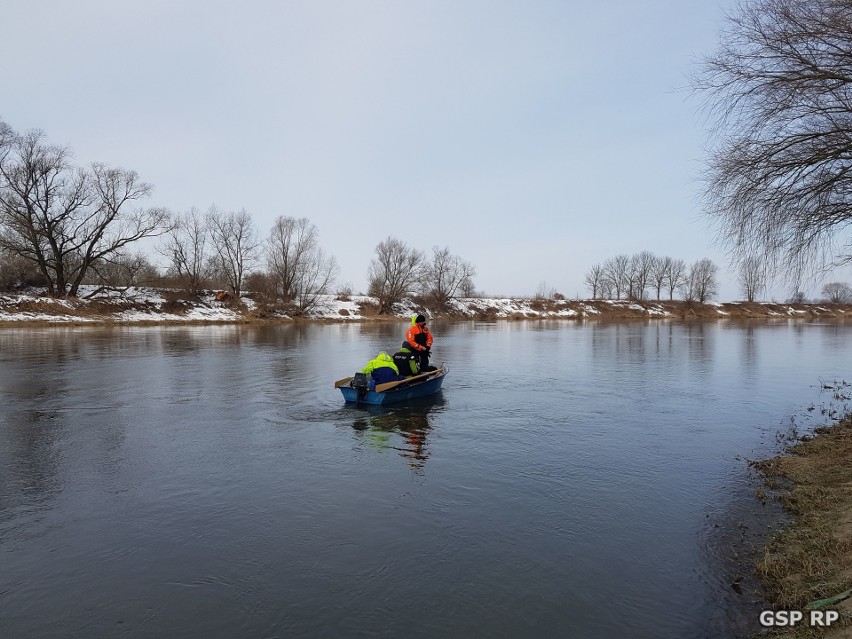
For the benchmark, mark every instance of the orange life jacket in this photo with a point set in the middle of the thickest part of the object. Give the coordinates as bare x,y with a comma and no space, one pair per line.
418,337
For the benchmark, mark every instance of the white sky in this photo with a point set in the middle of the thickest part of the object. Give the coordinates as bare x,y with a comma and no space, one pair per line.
534,138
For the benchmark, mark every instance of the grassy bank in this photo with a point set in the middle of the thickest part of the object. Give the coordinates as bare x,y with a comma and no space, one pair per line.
811,558
140,306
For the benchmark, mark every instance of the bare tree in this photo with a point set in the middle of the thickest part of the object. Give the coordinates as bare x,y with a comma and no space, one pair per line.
235,245
16,272
780,174
316,279
467,289
607,289
262,286
797,297
689,287
701,284
7,138
752,277
545,292
297,263
659,270
639,274
838,292
445,277
186,247
616,271
675,276
122,272
394,271
290,241
594,280
66,219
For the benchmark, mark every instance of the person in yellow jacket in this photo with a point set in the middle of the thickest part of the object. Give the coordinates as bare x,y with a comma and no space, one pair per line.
418,339
382,369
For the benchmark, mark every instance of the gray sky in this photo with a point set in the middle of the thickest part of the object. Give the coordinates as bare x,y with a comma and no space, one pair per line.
533,138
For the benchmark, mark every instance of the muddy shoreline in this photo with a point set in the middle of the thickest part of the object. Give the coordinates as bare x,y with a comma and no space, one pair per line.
807,564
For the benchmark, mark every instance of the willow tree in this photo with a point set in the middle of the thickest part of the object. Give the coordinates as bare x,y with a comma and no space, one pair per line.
779,95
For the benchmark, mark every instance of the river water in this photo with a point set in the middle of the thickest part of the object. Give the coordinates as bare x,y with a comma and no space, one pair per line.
571,479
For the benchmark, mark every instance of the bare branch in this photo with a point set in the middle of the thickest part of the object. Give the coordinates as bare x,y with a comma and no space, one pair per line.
186,247
235,245
65,219
838,292
396,270
445,277
779,95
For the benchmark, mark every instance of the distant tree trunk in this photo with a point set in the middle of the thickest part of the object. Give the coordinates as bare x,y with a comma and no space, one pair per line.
235,244
594,279
301,271
396,269
702,282
186,247
445,276
617,273
659,273
752,277
675,277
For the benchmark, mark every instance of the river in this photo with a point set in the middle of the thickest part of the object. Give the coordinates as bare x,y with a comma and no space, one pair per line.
571,479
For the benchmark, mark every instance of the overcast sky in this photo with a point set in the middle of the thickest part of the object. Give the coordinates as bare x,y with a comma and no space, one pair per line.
534,138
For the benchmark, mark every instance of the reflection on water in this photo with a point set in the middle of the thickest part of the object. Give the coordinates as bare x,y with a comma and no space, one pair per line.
569,480
403,429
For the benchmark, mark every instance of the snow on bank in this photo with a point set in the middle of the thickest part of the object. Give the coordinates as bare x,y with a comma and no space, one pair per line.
145,305
138,305
134,306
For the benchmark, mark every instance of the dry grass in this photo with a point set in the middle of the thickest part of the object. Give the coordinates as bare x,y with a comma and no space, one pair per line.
180,303
811,558
264,310
368,309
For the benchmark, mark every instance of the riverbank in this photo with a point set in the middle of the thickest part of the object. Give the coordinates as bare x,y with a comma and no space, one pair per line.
157,306
808,564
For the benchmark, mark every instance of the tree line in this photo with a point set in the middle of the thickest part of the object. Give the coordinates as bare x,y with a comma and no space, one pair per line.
225,247
633,276
62,226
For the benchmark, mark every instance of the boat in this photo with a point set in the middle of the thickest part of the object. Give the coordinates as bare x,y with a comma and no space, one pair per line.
421,385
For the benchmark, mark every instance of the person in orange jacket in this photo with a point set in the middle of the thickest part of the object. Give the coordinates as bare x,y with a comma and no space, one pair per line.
418,339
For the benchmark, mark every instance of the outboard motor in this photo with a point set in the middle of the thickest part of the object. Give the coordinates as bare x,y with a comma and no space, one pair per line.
361,383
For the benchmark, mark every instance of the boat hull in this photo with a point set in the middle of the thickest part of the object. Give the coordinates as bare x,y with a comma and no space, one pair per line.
429,386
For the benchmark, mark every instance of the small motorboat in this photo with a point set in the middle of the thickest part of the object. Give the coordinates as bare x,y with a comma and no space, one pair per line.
357,390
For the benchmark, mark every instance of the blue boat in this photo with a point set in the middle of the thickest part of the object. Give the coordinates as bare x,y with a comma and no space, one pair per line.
394,392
